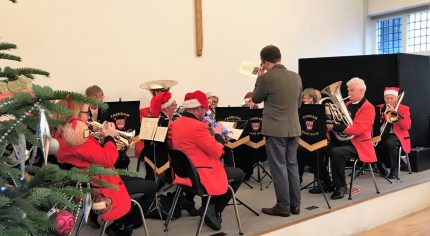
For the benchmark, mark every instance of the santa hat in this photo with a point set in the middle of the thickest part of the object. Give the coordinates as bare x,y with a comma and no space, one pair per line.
195,99
391,91
161,101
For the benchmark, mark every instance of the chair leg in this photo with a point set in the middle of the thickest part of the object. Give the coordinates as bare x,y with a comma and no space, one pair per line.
398,164
409,163
203,216
103,228
235,210
172,209
81,221
373,178
352,179
141,215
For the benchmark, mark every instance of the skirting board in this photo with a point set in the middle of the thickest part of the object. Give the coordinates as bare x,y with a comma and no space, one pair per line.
360,216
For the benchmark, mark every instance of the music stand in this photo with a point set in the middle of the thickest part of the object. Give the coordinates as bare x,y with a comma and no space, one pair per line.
240,116
313,126
154,130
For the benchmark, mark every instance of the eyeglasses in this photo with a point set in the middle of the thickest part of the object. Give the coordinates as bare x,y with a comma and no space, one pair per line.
85,112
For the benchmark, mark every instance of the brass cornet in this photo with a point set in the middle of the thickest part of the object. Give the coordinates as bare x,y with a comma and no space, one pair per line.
123,140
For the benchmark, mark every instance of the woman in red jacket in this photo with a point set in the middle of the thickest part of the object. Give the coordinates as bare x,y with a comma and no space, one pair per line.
79,149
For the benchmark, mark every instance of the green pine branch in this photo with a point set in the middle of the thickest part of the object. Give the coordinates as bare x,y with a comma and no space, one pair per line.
14,73
11,57
7,46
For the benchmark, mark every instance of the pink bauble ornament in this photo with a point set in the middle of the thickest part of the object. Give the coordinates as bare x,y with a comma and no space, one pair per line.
64,222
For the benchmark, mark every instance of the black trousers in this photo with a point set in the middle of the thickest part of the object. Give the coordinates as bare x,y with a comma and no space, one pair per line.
137,186
338,156
388,151
305,157
235,177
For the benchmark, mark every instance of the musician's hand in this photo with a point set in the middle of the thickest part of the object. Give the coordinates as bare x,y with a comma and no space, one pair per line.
261,70
218,129
390,107
108,129
329,127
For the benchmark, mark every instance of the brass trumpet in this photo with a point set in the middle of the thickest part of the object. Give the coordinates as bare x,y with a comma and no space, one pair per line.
123,140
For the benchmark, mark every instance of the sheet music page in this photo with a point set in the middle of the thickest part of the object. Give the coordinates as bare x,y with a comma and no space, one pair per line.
235,133
227,125
147,128
249,69
160,134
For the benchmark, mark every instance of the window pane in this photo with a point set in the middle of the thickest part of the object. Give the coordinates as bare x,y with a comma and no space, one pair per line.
389,35
418,31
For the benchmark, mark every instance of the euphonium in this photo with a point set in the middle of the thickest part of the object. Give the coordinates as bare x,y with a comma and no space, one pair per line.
122,139
337,111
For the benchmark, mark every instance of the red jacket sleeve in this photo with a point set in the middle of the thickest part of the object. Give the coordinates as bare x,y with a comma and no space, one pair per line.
362,121
105,156
206,142
404,123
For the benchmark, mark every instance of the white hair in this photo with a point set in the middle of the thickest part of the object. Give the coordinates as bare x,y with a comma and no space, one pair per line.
357,81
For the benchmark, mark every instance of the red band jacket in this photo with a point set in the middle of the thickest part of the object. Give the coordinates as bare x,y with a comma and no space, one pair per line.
192,137
91,152
361,128
401,128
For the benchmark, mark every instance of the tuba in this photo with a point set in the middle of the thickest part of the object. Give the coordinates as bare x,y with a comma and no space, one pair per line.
336,109
123,140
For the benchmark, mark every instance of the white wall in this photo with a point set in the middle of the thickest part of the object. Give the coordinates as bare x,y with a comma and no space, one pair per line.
378,7
120,44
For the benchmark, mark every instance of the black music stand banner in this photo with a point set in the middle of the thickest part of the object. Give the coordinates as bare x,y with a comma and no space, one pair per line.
232,114
313,123
125,115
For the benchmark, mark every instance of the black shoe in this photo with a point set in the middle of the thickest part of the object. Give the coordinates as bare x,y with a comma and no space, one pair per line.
382,170
189,207
93,220
275,211
119,230
211,218
192,211
326,188
295,210
393,174
338,193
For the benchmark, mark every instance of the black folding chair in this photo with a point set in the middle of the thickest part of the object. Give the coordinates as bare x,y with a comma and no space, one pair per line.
183,167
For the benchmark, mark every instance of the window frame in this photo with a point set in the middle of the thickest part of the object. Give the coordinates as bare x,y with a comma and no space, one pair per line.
404,16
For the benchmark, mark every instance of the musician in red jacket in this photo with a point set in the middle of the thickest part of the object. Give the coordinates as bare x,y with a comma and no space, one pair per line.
360,146
191,135
395,134
79,149
154,87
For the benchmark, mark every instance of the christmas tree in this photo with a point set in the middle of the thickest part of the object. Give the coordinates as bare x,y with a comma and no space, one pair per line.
30,194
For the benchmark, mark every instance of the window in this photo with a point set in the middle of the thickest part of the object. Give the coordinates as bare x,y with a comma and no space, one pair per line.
418,34
389,35
406,31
